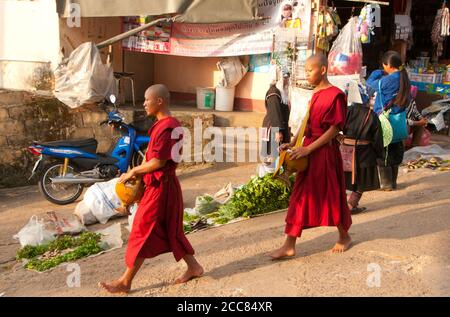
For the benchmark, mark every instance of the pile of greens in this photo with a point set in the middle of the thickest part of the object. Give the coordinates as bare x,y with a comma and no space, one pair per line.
44,257
260,195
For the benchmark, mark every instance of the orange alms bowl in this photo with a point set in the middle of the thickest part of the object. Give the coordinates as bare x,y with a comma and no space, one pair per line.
298,165
130,192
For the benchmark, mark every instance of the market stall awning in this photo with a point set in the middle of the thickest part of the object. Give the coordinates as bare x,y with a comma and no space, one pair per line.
191,11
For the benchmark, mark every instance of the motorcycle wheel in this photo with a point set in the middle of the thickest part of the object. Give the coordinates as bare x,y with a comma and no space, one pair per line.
58,193
137,159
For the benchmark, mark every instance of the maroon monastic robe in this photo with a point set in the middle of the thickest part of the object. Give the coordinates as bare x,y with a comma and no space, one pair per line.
158,223
318,197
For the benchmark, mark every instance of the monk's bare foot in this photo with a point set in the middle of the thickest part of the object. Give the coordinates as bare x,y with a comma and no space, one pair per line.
283,252
342,245
115,287
190,274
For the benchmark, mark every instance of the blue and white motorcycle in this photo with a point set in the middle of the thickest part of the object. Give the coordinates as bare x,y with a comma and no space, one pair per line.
65,167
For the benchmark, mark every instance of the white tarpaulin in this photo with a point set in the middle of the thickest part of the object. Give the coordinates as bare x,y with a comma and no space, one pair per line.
193,11
426,152
82,78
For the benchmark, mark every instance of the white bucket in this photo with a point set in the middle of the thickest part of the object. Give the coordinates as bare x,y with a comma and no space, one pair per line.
205,98
224,98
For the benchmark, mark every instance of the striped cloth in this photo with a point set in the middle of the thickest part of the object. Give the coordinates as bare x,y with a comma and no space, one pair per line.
413,114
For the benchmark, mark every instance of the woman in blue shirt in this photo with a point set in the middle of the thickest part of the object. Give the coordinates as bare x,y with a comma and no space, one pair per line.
392,86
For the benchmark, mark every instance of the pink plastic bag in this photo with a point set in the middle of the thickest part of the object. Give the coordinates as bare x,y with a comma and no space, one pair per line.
345,57
424,140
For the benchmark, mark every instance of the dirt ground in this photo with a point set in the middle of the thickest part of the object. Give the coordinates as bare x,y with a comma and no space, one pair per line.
401,247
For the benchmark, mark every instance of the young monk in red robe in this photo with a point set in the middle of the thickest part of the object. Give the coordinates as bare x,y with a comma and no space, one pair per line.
319,197
158,223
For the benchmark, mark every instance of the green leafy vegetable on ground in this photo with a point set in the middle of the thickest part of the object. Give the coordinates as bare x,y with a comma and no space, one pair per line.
260,195
187,228
189,218
86,244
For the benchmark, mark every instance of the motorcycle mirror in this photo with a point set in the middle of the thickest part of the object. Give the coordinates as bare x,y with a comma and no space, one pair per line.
113,99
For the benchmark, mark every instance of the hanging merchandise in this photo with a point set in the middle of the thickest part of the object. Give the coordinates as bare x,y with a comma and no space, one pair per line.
327,27
445,23
403,27
284,50
376,10
345,57
440,31
322,41
366,23
333,21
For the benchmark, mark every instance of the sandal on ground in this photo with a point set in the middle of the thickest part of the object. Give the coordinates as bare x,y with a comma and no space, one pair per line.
357,210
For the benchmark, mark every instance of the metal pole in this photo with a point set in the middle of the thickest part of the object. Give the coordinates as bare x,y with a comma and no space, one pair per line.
122,36
383,3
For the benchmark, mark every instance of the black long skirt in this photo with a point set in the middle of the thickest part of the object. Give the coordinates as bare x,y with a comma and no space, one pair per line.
366,179
392,155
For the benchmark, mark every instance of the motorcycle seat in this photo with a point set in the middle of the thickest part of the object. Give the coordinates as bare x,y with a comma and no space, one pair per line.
88,145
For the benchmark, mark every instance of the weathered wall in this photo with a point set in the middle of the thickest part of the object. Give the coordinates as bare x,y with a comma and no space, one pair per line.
183,74
29,40
25,117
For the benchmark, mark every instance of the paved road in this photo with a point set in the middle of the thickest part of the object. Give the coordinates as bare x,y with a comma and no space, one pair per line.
401,248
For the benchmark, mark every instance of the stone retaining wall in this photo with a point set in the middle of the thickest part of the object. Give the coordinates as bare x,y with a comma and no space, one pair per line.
25,117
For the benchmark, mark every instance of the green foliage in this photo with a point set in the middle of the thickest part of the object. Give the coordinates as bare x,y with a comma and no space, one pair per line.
260,195
29,252
187,227
86,244
190,218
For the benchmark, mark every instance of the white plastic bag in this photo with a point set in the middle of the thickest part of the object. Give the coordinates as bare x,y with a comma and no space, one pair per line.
82,78
264,169
133,210
426,152
346,54
232,71
206,204
35,233
191,212
224,194
111,237
65,224
85,215
102,200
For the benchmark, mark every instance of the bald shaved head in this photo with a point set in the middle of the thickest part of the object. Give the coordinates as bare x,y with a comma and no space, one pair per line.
319,59
316,69
159,91
157,99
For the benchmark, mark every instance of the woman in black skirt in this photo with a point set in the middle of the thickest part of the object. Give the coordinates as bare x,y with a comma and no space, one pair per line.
363,124
276,122
394,93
